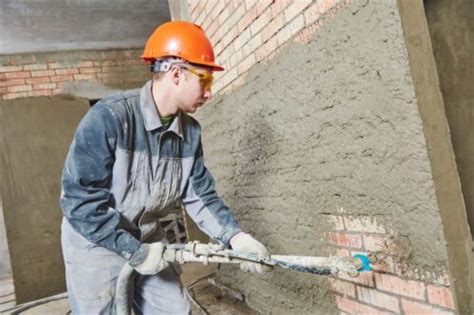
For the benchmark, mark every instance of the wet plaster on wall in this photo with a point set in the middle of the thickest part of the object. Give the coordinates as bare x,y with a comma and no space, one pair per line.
327,127
37,133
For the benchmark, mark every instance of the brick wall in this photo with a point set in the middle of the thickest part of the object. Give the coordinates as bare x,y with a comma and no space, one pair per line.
250,33
45,74
389,287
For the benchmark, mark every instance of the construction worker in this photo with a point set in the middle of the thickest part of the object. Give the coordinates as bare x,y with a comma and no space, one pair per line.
134,155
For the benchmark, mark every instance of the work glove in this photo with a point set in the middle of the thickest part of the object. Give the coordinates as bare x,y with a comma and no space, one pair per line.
153,262
245,244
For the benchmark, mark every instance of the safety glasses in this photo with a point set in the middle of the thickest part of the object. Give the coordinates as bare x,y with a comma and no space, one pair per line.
205,77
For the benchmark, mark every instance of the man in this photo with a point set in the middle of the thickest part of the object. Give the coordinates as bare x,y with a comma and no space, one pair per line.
133,156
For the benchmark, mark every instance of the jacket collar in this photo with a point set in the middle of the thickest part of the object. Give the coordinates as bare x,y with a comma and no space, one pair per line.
151,115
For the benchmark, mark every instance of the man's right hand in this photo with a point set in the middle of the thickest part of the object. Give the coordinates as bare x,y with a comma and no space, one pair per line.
154,261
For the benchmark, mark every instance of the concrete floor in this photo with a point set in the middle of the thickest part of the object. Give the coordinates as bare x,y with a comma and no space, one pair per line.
208,298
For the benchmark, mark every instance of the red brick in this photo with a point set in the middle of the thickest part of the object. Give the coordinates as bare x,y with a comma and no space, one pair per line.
410,288
10,69
440,296
375,243
290,29
11,96
379,299
261,21
12,82
67,71
336,222
35,67
266,49
345,239
84,77
365,278
56,91
274,26
342,287
410,307
42,73
387,265
278,6
306,34
230,36
19,88
37,80
89,70
312,13
262,5
363,224
85,64
295,8
246,64
353,307
62,78
248,18
17,75
56,65
213,28
40,93
44,86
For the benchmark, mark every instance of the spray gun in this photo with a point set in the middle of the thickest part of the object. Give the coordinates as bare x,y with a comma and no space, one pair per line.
214,253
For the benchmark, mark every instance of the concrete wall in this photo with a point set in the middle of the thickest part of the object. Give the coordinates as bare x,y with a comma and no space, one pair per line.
452,34
49,25
37,134
323,151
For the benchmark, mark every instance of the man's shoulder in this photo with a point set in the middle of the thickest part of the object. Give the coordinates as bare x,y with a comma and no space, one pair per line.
119,104
120,98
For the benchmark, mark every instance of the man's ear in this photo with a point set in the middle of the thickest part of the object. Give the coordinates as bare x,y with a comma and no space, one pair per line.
175,72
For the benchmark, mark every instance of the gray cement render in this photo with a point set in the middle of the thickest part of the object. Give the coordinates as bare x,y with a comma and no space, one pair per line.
50,25
37,135
325,128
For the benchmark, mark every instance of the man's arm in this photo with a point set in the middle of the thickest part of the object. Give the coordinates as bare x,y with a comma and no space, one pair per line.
86,200
205,207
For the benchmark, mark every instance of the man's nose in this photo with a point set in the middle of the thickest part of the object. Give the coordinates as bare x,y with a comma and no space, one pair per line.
208,94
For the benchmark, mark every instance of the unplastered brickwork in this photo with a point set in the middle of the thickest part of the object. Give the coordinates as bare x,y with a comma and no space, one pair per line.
390,287
245,32
45,74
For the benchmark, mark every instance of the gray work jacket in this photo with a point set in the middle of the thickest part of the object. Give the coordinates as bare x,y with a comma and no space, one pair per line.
125,169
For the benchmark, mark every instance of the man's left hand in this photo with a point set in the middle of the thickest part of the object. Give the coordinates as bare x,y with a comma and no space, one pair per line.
244,243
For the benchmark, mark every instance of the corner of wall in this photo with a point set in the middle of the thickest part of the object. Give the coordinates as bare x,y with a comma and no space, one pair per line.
436,129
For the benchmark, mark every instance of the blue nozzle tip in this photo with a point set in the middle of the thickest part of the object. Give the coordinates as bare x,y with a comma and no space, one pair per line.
365,262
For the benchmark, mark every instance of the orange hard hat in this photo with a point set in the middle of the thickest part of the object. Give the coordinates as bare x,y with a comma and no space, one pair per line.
181,39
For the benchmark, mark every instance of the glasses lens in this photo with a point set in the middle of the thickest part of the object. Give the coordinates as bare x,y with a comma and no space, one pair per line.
205,77
206,80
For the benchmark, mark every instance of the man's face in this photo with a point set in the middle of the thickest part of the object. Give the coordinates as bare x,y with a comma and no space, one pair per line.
194,88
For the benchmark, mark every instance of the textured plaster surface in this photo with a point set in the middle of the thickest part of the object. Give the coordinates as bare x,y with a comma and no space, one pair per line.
37,135
324,128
